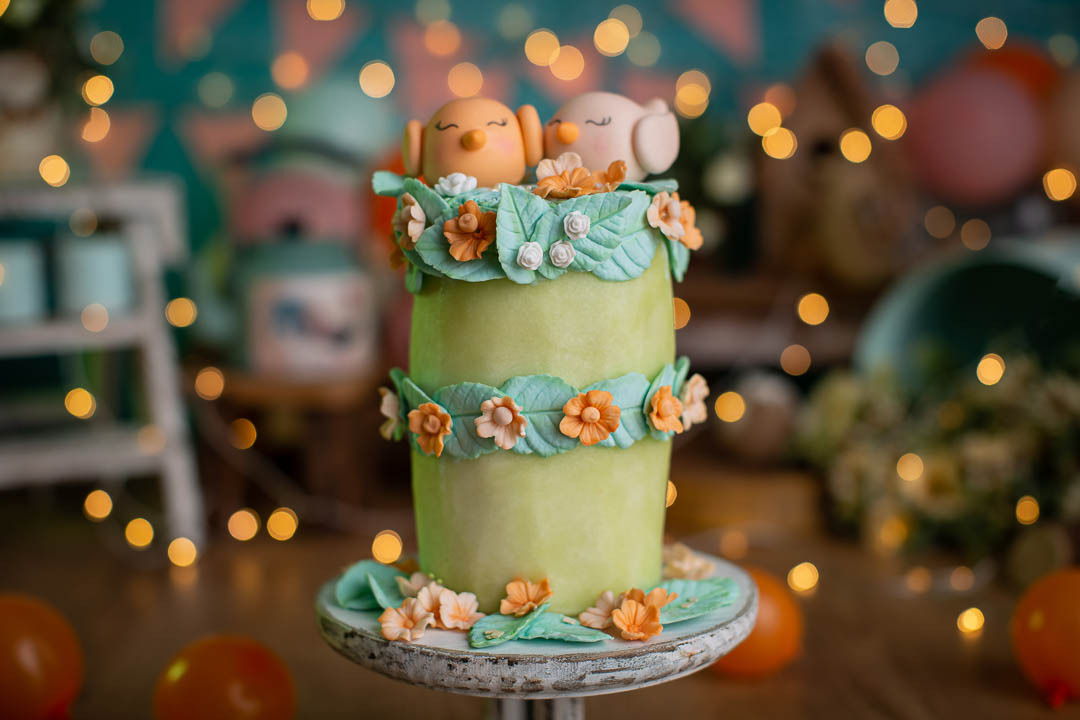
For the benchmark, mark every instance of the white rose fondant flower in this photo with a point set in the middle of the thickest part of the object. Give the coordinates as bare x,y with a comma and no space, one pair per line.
501,419
693,401
562,254
576,225
390,407
530,255
455,184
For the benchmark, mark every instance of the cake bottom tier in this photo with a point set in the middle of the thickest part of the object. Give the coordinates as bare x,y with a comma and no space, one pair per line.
589,520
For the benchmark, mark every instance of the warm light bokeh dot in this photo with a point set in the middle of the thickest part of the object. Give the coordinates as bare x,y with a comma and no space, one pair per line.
269,112
569,64
782,96
182,552
644,49
970,621
909,467
734,544
991,369
730,406
376,79
429,11
95,317
991,32
672,494
442,38
1063,48
630,17
181,312
882,58
611,37
889,122
139,533
975,234
325,9
1059,184
892,533
681,311
289,70
803,577
855,145
939,221
779,143
901,13
243,524
97,89
386,547
4,6
962,579
465,79
763,117
282,524
106,47
918,580
242,434
542,47
97,125
693,77
151,439
54,170
795,359
80,403
98,505
209,383
1027,510
812,308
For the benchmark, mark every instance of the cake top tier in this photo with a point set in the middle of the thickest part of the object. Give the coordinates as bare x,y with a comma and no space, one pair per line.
588,211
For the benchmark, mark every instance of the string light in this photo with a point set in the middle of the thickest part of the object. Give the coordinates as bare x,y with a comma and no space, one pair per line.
991,369
282,524
96,126
242,434
644,49
889,122
734,544
54,170
97,90
611,37
803,577
94,317
376,79
243,524
98,505
386,547
1059,184
962,579
855,145
513,21
630,17
892,533
209,383
882,58
909,467
672,494
991,32
730,406
795,360
215,89
289,70
939,221
569,64
465,79
918,580
182,552
681,312
80,403
812,308
269,112
442,38
106,47
139,533
763,117
692,93
779,143
970,621
542,47
782,96
4,6
325,10
901,13
975,234
1027,510
181,312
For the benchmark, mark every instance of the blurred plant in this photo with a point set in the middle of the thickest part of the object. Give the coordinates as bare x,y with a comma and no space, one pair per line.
946,469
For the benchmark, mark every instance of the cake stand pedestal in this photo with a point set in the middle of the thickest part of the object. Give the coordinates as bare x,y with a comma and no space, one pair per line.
541,679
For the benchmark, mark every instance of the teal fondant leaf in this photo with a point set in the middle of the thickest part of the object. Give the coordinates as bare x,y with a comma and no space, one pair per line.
432,203
496,629
386,183
519,213
386,594
611,216
414,278
463,402
412,396
628,392
434,249
414,257
665,377
697,598
679,257
653,186
556,626
486,198
353,590
682,369
548,231
541,398
632,258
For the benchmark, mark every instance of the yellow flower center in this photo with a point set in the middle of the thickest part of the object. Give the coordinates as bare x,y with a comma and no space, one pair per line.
502,416
468,223
590,414
432,424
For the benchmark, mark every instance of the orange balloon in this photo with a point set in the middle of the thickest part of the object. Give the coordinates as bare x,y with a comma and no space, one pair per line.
225,677
1045,632
777,636
41,662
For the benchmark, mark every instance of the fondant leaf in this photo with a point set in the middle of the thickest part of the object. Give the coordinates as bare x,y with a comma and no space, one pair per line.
414,278
628,392
386,183
548,231
495,629
414,257
679,257
682,369
516,223
665,377
412,396
486,198
542,398
387,595
434,249
463,402
697,598
653,186
611,216
353,590
431,202
556,626
633,257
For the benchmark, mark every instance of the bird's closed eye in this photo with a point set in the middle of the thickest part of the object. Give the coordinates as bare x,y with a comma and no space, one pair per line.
500,123
555,121
447,126
602,122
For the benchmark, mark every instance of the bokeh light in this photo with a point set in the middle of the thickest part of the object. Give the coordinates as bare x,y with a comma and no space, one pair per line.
795,360
94,317
918,580
644,49
975,234
98,505
243,524
242,434
181,312
325,10
569,63
182,552
80,403
215,89
106,47
289,70
763,117
630,17
730,406
1027,510
465,79
939,221
889,122
282,524
682,312
209,383
692,93
611,37
269,112
892,533
83,221
139,533
734,544
54,170
429,11
803,577
991,369
970,621
901,13
151,439
882,58
692,78
386,547
542,47
97,90
991,32
1059,184
513,21
376,79
672,494
779,143
1063,48
855,145
812,308
442,38
782,96
909,467
962,579
97,125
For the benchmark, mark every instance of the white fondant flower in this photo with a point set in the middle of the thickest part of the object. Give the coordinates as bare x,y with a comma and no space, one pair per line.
682,562
455,183
562,254
576,225
599,615
406,623
457,611
501,419
566,162
530,255
693,401
390,407
409,221
411,585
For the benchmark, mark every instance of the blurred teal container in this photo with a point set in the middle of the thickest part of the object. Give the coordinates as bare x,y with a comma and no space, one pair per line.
23,297
95,269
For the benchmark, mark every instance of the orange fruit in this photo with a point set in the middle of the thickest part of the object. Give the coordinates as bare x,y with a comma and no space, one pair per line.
41,662
776,639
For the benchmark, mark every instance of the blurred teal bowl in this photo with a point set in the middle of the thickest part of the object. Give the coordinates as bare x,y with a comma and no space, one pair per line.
94,269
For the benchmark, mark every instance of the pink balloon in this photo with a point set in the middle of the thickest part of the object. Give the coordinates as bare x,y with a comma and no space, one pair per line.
975,136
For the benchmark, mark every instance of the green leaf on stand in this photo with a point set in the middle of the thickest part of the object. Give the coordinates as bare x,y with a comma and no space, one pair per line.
496,629
541,398
628,392
652,187
632,258
463,402
388,184
387,596
556,626
697,598
353,590
517,222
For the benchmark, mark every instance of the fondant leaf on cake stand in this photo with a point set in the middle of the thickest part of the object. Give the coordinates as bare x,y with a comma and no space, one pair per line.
516,224
697,598
388,184
354,591
463,402
679,257
387,595
542,398
632,258
664,377
496,629
627,392
611,217
652,187
556,626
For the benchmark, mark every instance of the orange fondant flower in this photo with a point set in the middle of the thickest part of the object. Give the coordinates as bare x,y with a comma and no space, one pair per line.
682,562
636,620
429,598
566,162
430,424
410,586
666,410
657,597
664,214
524,596
608,180
458,610
501,419
688,216
590,416
470,233
406,623
693,401
409,221
599,615
567,184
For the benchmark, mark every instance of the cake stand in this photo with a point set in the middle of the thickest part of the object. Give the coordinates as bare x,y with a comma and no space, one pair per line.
541,678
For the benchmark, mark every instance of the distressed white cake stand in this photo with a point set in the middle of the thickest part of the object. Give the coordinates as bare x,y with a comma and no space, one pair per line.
541,678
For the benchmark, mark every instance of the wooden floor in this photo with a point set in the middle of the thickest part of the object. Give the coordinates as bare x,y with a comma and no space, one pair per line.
871,651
